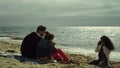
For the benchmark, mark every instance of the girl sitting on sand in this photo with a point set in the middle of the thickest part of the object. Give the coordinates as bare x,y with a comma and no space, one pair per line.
104,48
45,47
59,54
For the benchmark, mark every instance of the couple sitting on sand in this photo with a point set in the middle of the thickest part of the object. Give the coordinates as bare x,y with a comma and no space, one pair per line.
39,45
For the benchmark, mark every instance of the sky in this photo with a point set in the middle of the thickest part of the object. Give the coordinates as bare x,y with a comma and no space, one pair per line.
60,12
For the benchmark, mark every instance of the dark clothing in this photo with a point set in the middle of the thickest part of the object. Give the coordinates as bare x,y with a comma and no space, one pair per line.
102,59
45,48
102,56
29,45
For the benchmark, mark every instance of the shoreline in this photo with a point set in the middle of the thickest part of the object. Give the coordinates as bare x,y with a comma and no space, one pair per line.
70,50
81,61
114,56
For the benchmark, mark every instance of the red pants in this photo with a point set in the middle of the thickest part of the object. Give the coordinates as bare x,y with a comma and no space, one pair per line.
60,55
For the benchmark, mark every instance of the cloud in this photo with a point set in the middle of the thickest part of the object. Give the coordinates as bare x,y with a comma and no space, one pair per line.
73,12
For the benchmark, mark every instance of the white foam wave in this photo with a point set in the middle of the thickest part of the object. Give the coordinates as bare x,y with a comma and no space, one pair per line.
8,39
4,38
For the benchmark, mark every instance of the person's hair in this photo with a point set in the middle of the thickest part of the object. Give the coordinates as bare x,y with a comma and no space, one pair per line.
41,28
108,43
49,36
99,42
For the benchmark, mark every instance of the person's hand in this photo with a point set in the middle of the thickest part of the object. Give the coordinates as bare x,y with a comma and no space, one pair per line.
54,43
99,42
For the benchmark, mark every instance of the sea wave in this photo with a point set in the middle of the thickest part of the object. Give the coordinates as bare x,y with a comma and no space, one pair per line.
4,37
15,40
10,38
114,56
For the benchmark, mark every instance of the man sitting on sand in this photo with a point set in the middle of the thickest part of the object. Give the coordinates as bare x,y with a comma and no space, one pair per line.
29,44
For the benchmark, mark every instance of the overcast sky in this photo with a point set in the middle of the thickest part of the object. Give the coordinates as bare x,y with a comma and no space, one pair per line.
60,12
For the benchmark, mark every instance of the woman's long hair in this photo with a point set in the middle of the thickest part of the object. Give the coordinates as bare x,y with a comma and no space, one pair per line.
108,43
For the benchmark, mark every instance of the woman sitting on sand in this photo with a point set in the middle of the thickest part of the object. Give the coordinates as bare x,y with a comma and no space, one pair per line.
45,48
104,48
49,49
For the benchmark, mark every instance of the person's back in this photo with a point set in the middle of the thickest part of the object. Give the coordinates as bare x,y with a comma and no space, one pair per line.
29,44
45,48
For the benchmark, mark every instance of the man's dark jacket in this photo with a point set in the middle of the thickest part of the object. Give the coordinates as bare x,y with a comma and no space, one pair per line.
29,45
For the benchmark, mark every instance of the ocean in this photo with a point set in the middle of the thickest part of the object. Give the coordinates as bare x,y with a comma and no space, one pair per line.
72,39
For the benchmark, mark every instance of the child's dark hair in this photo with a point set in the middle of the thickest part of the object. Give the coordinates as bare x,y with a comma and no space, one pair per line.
108,43
49,36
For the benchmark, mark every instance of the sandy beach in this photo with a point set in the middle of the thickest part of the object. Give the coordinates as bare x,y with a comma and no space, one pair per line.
79,61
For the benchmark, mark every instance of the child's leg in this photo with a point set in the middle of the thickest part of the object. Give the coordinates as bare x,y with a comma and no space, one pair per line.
63,56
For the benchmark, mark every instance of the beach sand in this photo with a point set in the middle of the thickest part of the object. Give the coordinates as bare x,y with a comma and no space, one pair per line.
79,61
